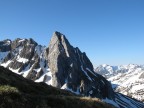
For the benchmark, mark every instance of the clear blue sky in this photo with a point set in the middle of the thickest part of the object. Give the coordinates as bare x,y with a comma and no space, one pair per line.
109,31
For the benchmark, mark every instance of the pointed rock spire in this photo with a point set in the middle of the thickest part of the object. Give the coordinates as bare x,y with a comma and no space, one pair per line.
70,67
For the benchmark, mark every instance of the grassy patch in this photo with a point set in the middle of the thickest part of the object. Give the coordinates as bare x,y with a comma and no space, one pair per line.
8,89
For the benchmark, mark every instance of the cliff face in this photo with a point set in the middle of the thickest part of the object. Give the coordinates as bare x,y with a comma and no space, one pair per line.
60,65
71,69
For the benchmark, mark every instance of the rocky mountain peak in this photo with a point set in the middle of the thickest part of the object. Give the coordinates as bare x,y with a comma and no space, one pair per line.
71,69
31,41
58,39
5,42
126,79
20,43
57,36
60,65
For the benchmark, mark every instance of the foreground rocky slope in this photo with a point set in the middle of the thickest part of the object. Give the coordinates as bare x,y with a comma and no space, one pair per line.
62,66
126,79
18,92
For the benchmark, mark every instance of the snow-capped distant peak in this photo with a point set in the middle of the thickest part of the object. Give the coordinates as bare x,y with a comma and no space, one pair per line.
126,79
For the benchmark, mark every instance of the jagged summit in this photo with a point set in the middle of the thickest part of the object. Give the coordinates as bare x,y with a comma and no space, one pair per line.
126,79
60,65
56,33
8,44
60,38
57,36
69,66
24,41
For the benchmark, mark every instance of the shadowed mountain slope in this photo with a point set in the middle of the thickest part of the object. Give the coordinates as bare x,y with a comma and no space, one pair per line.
18,92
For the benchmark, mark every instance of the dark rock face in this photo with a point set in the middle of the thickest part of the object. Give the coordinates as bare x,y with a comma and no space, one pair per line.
72,67
5,45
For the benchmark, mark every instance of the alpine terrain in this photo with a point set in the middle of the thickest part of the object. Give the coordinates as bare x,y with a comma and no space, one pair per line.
126,79
19,92
60,65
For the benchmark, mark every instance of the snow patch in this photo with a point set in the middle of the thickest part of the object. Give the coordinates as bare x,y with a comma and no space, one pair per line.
22,60
48,75
86,73
6,63
21,40
26,71
14,70
37,70
91,71
65,87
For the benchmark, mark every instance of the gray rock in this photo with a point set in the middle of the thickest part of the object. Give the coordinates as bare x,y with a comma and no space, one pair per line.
23,49
70,66
142,75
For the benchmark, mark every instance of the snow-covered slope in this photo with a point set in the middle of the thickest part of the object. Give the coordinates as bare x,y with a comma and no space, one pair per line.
126,79
25,57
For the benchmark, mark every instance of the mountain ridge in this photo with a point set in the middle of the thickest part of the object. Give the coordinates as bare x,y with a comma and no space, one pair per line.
126,79
60,65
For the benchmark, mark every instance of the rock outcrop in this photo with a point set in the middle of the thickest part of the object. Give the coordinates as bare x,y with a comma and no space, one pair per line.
25,57
72,69
60,65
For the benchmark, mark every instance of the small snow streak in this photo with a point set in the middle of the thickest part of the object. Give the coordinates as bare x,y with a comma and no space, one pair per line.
86,73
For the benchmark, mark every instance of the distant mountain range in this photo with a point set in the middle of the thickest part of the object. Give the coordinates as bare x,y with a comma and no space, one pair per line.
126,79
62,66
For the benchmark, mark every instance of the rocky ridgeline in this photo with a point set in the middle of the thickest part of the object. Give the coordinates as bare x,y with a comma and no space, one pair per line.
24,56
60,65
126,79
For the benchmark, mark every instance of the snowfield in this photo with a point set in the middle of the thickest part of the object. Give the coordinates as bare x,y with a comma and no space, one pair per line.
126,79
